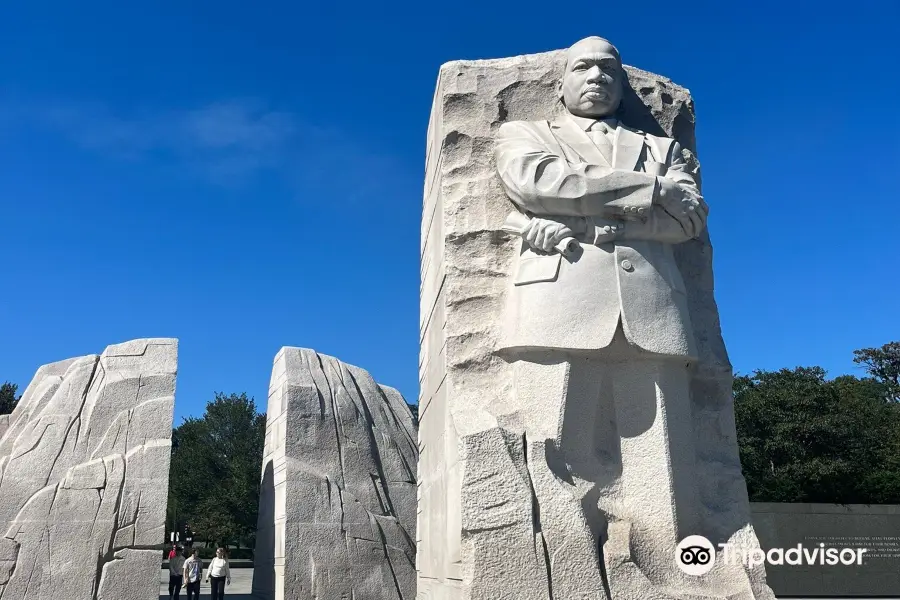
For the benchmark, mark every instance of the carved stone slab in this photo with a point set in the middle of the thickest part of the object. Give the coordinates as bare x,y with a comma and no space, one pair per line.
84,476
338,498
479,524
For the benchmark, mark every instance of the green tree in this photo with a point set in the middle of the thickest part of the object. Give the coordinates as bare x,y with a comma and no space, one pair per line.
804,438
215,473
884,365
8,397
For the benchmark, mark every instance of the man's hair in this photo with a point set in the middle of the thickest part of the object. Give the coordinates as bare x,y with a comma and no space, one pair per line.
595,38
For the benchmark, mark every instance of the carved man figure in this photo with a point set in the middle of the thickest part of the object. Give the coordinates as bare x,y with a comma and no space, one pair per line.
601,338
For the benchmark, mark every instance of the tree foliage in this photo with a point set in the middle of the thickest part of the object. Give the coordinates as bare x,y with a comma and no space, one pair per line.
804,438
884,365
215,474
8,398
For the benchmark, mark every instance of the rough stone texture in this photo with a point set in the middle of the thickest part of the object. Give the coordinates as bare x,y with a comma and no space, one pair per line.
84,476
479,526
337,505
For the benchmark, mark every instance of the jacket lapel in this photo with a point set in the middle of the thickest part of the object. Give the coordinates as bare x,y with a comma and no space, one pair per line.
629,146
570,134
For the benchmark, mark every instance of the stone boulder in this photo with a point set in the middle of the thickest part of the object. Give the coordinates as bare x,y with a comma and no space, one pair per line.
337,515
84,474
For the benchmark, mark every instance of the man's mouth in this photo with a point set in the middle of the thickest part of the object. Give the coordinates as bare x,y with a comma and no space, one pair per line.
594,91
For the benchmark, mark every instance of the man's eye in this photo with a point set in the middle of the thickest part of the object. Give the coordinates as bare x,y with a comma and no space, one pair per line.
580,68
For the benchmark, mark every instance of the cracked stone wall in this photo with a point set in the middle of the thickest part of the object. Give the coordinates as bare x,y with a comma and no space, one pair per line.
338,500
84,474
478,524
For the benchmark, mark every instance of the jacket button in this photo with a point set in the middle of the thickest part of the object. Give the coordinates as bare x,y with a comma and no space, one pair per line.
626,264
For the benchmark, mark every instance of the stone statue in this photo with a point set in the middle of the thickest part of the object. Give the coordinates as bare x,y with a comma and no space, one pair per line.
599,331
625,195
577,419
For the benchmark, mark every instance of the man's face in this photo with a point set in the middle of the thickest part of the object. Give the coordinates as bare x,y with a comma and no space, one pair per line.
592,83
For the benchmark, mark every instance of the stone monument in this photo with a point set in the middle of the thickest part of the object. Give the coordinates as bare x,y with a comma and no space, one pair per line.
84,476
338,495
576,408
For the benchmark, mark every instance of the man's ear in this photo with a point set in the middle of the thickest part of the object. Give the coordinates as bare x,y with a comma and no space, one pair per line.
559,88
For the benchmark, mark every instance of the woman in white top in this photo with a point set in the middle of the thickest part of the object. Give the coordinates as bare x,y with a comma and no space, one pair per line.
219,574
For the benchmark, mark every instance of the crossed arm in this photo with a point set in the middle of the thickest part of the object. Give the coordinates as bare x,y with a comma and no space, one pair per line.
597,200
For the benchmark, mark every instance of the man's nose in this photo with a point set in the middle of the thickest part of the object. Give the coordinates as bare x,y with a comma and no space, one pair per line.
596,75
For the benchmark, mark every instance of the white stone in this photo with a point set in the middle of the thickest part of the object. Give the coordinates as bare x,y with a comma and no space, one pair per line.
338,499
569,402
84,474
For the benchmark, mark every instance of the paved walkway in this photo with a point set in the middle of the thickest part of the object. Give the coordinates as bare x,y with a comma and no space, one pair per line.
241,584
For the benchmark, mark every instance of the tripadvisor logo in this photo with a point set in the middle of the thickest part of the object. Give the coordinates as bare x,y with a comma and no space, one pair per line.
696,555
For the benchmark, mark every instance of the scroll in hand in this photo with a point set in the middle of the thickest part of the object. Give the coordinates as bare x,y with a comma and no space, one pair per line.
561,238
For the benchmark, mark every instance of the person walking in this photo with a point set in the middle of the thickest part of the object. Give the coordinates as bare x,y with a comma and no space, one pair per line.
192,574
176,572
219,574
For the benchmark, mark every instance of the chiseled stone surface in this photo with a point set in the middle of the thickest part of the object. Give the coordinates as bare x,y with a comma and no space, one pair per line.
338,500
84,473
483,525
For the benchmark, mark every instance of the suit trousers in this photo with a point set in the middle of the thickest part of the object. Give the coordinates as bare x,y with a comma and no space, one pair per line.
609,437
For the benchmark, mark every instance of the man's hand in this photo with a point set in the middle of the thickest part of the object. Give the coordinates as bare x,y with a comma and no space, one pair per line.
544,234
684,204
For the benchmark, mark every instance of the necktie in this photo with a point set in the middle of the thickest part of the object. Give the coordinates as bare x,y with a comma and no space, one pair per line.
601,128
601,134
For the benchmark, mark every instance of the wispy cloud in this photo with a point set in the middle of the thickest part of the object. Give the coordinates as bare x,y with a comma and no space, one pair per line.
224,142
227,141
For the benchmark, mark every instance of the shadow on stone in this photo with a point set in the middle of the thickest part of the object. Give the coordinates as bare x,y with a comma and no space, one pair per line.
264,573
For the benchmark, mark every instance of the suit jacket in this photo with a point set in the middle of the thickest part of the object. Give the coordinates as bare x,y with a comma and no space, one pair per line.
554,170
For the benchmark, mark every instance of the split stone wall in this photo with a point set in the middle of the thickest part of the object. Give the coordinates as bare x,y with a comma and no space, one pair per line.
337,504
84,476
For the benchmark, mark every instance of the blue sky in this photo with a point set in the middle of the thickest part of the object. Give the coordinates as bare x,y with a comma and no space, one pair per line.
245,177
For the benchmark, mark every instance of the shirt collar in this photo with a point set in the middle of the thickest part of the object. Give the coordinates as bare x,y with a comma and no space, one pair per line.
586,123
